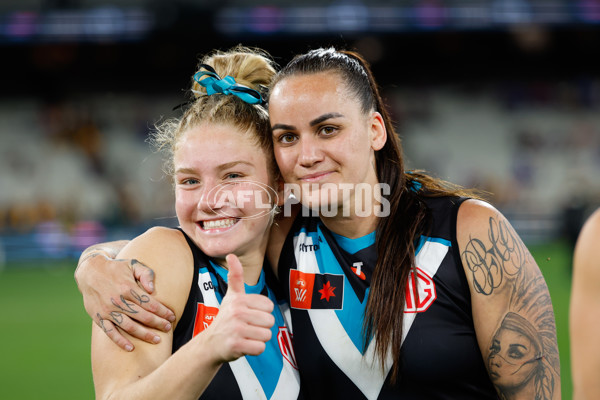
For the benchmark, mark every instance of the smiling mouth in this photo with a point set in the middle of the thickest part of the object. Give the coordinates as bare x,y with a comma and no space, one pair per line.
217,224
314,177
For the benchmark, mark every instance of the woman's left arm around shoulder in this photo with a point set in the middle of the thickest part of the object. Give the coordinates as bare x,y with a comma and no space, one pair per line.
511,306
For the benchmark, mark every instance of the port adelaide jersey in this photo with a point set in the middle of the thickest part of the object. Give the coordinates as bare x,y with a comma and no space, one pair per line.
327,277
270,375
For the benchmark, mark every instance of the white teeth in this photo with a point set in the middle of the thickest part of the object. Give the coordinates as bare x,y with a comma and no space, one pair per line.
219,223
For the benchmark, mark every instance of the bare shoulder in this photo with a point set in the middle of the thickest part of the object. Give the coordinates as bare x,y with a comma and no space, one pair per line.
166,251
587,250
584,315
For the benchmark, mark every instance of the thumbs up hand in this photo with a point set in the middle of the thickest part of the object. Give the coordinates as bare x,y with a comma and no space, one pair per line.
243,324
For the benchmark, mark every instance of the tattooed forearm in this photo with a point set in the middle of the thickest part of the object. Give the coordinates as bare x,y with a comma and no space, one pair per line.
523,359
502,255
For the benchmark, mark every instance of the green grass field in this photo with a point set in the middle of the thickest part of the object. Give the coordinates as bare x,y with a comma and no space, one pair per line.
44,331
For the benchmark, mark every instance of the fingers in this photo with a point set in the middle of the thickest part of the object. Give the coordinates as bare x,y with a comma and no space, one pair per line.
259,302
134,310
143,274
135,329
235,276
125,323
113,333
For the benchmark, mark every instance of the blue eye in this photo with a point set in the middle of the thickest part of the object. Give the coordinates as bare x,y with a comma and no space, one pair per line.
233,175
190,181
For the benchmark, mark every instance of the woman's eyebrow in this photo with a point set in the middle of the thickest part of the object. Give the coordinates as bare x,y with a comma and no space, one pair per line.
314,122
283,126
325,117
233,164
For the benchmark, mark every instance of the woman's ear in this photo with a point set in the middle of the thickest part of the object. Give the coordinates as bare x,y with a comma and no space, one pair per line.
377,131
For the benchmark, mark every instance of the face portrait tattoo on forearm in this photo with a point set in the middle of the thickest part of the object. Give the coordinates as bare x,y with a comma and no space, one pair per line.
504,256
101,323
523,358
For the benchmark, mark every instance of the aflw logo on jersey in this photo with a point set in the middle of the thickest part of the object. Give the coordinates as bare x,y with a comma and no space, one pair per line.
204,317
420,292
316,291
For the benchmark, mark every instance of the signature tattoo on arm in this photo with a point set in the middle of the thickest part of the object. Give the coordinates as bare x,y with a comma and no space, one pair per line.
489,265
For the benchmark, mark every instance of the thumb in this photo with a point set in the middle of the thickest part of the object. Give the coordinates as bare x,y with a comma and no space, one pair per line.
235,277
143,274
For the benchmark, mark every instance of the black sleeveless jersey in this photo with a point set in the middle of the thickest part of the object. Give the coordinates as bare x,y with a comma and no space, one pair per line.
270,375
327,277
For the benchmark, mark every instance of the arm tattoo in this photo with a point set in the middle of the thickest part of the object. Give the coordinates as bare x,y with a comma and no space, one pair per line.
505,257
523,354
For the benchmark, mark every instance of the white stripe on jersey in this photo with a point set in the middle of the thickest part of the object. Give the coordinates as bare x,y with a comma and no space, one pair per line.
428,259
206,287
364,371
288,385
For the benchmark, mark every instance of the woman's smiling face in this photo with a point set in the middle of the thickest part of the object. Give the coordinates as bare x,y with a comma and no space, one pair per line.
321,135
222,182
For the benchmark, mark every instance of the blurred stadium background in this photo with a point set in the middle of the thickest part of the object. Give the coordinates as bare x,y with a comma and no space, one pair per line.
501,94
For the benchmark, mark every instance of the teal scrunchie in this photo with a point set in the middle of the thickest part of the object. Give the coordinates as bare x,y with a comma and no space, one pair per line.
215,84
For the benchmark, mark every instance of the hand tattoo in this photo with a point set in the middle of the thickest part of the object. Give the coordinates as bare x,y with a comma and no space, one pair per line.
117,317
127,304
101,323
140,298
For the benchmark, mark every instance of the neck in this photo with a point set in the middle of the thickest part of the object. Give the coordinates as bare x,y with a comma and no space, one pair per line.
252,264
351,226
358,215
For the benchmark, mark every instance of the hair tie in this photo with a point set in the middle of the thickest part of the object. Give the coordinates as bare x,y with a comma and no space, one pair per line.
215,84
415,186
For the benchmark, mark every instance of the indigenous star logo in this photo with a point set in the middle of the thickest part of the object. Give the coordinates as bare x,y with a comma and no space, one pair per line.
327,291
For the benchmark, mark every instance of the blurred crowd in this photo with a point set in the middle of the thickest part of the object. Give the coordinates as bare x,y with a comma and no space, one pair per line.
75,171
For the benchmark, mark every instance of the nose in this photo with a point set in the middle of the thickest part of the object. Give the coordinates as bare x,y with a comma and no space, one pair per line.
210,198
495,360
310,152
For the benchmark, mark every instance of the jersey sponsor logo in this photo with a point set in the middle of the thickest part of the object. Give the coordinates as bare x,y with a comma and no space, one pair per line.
420,292
284,339
357,269
204,317
316,291
308,247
